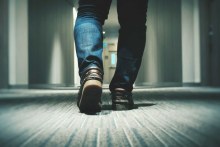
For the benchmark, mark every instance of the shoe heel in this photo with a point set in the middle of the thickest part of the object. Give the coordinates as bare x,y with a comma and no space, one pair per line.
120,107
91,96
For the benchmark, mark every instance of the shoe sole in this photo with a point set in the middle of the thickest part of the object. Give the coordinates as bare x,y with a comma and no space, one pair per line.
90,101
122,105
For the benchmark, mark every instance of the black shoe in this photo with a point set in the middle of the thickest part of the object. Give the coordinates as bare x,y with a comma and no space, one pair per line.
89,96
122,100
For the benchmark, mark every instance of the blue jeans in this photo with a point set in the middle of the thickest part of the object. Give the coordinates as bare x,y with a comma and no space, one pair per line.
131,42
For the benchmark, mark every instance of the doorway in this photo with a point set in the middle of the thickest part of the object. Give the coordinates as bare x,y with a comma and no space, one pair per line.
109,61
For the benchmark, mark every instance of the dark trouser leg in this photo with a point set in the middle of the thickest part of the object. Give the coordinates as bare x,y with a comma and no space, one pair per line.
131,43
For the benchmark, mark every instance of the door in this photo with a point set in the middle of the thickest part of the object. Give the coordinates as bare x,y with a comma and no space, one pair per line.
214,33
210,45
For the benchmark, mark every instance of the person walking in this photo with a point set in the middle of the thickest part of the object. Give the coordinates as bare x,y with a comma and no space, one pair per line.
132,16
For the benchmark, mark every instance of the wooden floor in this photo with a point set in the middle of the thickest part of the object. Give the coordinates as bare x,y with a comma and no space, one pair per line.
162,117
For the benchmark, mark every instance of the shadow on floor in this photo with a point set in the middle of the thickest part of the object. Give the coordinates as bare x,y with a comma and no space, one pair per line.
136,106
107,109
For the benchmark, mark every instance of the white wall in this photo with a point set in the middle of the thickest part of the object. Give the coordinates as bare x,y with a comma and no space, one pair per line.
18,42
51,51
162,59
76,68
190,41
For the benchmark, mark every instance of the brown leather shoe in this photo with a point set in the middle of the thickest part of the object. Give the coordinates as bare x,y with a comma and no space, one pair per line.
122,100
89,96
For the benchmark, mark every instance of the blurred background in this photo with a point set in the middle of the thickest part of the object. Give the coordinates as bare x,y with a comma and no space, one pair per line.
37,44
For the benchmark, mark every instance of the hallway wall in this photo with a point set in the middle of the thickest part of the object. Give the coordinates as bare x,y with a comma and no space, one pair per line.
190,41
215,50
4,44
162,62
210,45
50,42
18,42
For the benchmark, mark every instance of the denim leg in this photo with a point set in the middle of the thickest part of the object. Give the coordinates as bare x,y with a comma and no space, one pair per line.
88,40
131,43
88,33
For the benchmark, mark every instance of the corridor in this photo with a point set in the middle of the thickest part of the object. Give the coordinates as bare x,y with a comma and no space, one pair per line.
176,92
